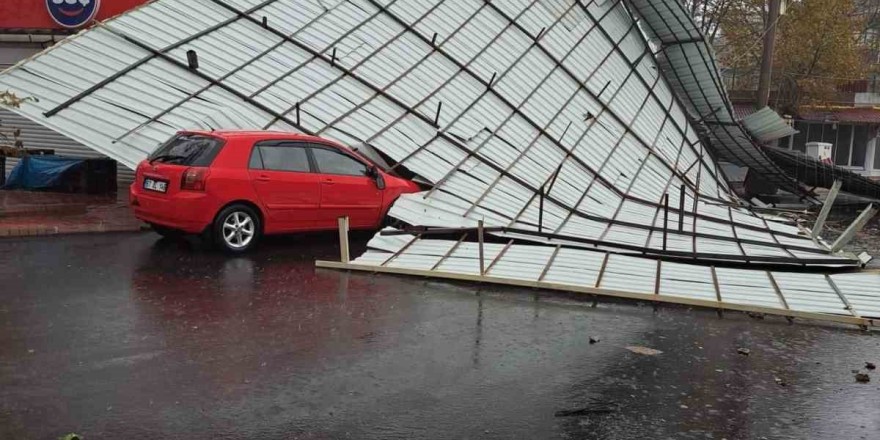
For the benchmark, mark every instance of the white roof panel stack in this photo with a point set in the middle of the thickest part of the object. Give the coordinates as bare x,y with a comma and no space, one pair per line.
811,296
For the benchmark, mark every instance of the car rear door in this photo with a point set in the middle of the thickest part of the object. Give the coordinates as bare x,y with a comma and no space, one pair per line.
283,178
346,189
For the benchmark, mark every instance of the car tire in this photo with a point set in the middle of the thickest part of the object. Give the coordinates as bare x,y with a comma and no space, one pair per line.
167,232
237,229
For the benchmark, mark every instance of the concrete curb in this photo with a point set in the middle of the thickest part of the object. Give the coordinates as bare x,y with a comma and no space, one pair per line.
38,230
55,208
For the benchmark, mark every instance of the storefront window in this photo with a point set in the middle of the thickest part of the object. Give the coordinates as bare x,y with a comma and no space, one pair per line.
800,139
843,144
815,133
850,142
829,134
860,145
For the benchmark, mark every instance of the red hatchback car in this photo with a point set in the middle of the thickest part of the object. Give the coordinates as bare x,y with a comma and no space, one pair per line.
236,186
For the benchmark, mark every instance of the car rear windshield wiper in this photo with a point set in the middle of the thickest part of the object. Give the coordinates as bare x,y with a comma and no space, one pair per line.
167,157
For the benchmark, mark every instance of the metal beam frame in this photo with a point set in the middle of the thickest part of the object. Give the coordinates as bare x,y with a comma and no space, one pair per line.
713,305
854,228
826,209
588,243
654,297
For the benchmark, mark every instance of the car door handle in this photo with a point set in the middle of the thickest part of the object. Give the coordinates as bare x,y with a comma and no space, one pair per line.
263,178
329,182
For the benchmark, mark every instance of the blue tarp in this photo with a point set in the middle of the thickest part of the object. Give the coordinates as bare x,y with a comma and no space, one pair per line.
41,172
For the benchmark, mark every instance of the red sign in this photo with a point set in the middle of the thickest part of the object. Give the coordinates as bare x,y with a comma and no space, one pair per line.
33,15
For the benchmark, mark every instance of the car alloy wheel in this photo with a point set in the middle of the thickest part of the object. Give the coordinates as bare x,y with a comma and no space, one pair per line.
238,230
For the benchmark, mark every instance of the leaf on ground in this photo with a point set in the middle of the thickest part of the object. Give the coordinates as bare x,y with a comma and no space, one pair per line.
643,350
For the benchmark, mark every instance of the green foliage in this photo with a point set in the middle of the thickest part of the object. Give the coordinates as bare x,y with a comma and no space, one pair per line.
818,49
820,44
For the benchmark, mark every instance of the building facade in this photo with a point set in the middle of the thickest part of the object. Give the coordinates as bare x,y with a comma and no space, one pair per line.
852,133
29,26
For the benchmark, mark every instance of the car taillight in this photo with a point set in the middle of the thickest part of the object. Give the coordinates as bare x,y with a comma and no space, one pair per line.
194,179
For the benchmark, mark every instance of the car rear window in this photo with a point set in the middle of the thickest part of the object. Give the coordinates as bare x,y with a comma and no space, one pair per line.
189,149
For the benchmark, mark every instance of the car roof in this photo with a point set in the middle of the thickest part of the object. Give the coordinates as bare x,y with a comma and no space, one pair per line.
267,135
259,134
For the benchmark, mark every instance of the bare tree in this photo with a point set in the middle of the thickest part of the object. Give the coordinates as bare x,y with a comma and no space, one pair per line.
709,14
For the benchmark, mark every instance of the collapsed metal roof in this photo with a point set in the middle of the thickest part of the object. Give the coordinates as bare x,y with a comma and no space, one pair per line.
689,63
550,120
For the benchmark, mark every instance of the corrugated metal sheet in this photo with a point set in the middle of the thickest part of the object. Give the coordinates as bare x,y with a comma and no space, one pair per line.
784,293
740,111
766,125
490,101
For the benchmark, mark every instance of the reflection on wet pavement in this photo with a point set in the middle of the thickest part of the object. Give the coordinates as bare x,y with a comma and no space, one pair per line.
125,336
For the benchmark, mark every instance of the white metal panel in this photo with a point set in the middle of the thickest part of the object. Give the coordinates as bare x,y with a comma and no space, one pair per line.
580,268
744,286
862,290
766,125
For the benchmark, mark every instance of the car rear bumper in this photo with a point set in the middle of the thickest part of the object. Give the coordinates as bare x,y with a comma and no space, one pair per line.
187,211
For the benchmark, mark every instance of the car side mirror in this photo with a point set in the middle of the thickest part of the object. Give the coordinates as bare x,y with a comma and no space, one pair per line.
377,177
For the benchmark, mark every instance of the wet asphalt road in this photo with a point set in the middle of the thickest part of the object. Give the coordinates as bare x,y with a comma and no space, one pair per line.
124,336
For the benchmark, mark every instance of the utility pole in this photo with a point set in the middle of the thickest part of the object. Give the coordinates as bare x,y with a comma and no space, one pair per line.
767,56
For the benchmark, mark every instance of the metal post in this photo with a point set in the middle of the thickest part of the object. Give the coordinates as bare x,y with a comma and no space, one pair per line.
717,290
541,210
297,114
694,224
437,116
854,228
344,255
826,209
767,56
665,218
681,209
480,239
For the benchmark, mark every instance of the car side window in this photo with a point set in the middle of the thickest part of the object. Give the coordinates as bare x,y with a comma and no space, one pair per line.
332,162
289,156
256,162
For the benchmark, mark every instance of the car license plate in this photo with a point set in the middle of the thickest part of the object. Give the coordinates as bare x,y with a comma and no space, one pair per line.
156,185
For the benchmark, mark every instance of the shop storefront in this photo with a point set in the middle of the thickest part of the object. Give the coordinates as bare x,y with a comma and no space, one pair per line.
29,26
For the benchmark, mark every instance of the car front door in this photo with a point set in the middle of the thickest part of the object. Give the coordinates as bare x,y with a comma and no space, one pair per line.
286,184
346,189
